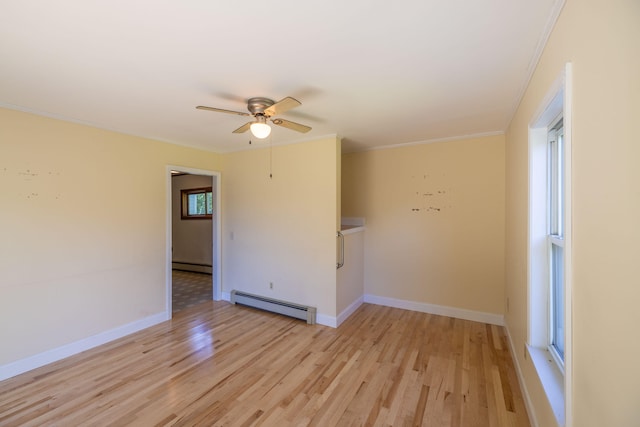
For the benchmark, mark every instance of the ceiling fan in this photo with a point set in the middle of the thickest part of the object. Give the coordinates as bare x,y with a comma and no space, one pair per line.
263,109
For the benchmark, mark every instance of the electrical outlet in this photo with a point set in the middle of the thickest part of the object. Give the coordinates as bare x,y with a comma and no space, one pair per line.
270,285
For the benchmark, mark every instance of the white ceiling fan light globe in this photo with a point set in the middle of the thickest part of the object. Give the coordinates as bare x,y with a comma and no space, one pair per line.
260,130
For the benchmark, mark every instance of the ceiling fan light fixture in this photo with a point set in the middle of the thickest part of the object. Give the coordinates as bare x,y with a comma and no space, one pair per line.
260,129
263,110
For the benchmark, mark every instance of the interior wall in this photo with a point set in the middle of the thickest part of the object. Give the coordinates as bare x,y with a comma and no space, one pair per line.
434,221
350,277
192,240
282,230
83,228
600,39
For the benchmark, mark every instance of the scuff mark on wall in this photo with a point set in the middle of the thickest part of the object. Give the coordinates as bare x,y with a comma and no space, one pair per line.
430,195
28,173
31,184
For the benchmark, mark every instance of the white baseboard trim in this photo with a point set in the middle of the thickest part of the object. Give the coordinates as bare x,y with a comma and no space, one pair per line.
37,360
194,268
442,310
349,310
460,313
525,393
325,320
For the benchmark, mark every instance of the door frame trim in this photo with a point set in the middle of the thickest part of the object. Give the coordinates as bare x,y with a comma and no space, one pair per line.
215,238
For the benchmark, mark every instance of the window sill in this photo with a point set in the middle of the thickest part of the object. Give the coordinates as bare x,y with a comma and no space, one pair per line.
552,380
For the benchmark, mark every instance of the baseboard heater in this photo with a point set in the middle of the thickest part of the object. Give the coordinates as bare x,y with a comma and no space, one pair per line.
276,306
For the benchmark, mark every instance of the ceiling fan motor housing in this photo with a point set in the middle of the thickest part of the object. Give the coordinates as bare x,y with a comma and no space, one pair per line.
258,105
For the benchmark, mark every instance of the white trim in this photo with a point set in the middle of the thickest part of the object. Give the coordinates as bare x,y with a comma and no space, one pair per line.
525,392
37,360
349,310
101,126
258,144
551,106
537,265
243,147
535,59
459,313
442,310
429,141
568,244
194,268
326,320
551,379
216,233
557,101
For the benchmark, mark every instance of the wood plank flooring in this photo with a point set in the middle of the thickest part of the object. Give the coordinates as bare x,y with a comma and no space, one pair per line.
217,364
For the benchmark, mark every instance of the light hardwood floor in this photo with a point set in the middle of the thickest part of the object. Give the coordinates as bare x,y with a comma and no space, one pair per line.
220,364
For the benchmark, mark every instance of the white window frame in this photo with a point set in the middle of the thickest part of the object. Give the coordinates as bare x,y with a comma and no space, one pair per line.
555,229
556,378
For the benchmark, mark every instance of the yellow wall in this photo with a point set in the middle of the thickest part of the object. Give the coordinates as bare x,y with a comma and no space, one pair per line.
84,229
282,229
83,226
601,40
434,221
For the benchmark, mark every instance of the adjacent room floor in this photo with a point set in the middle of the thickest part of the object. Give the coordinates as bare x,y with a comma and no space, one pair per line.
190,289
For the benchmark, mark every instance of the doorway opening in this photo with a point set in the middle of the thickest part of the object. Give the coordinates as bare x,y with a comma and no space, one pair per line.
193,238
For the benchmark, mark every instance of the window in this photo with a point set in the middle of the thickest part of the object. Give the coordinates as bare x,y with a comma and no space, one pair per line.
549,281
197,203
555,239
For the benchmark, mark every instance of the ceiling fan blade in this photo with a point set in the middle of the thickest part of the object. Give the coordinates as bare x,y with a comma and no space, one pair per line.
245,127
291,125
231,97
220,110
281,106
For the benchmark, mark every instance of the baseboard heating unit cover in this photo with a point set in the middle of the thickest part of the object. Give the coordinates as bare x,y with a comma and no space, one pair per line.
276,306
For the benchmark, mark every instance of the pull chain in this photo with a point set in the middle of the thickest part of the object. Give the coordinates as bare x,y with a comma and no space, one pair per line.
270,159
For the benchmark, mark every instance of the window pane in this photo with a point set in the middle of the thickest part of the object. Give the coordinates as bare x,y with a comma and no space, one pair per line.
197,203
201,209
557,299
556,231
560,156
554,186
556,182
209,203
193,204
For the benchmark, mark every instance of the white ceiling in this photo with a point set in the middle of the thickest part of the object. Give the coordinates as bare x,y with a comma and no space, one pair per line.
376,73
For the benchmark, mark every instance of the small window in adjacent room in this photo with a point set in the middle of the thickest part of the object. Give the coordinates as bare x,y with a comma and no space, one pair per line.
197,203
